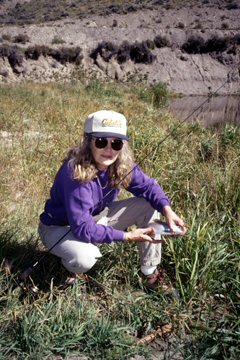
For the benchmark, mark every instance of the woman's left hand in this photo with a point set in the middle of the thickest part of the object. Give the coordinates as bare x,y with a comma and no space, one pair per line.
173,219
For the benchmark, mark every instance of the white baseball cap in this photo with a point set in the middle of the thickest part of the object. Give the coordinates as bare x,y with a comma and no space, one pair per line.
106,123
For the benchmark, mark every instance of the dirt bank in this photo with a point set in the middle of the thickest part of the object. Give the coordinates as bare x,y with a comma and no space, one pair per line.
193,47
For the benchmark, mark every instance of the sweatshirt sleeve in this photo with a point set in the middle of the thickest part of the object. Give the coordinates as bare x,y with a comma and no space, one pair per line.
143,186
79,204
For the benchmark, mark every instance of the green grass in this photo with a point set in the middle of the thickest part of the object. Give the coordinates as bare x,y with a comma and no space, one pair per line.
104,316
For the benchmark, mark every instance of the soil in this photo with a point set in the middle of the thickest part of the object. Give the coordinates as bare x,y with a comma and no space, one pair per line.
193,47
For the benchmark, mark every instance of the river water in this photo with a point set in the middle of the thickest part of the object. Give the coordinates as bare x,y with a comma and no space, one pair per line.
215,111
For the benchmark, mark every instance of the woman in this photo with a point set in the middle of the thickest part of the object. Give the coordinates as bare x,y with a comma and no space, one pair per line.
82,201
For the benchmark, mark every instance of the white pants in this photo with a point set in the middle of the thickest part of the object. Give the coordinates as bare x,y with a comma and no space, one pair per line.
79,257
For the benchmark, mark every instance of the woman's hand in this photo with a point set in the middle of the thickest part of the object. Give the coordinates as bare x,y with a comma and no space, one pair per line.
173,219
146,234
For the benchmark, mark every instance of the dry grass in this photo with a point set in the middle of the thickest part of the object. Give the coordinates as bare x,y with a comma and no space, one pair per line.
200,171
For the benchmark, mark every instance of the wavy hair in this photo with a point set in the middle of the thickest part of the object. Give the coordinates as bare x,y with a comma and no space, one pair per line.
84,168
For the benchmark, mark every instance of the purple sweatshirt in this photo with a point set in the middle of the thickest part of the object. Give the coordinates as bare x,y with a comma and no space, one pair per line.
74,203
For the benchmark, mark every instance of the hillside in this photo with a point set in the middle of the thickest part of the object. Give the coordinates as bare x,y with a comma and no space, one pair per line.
192,46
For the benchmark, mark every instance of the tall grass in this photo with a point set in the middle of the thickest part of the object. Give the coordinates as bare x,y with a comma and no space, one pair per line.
105,315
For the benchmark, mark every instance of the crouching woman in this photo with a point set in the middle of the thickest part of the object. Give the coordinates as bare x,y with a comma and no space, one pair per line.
83,211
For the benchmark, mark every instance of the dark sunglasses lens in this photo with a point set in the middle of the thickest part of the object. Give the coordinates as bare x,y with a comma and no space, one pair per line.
117,144
101,143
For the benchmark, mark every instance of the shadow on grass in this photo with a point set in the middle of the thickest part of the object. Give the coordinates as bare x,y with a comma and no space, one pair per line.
29,256
45,270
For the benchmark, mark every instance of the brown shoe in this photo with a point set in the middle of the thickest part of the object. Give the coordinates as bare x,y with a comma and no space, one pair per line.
157,281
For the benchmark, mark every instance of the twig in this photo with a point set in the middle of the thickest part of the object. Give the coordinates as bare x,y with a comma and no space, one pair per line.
161,331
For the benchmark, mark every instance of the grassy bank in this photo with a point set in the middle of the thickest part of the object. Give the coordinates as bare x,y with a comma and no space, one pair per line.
106,314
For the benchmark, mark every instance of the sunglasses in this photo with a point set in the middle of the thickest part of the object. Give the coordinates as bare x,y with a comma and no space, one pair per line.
101,143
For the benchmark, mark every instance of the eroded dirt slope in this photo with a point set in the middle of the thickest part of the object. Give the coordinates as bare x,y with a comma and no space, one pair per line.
191,46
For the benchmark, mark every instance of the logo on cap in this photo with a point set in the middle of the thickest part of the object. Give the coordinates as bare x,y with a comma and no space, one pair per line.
111,123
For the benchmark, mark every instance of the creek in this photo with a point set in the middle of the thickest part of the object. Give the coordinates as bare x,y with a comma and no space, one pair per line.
215,112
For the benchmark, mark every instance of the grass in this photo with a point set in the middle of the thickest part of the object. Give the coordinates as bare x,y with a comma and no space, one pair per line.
104,316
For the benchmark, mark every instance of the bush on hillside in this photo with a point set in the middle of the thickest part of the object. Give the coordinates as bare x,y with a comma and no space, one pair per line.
137,52
123,53
232,6
21,39
34,52
161,41
222,49
6,37
140,53
236,39
150,44
58,40
67,55
14,55
216,44
63,55
194,45
105,49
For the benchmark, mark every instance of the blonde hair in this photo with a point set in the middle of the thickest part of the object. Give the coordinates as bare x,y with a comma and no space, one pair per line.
84,169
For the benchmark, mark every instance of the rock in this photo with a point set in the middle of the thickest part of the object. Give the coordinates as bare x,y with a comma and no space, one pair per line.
114,70
91,24
4,68
6,72
101,63
21,69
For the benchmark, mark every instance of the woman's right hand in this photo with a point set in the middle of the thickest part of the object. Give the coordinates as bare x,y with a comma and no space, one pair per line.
146,234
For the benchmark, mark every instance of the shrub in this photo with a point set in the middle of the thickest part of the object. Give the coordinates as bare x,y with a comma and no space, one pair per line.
106,49
236,39
150,44
205,151
160,94
194,45
15,58
216,46
114,23
198,25
34,52
113,9
123,53
181,25
139,53
161,41
63,55
156,94
57,40
21,38
216,43
230,136
225,26
4,51
14,55
6,37
232,6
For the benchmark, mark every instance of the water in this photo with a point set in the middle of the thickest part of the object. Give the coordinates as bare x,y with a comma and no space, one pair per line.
214,113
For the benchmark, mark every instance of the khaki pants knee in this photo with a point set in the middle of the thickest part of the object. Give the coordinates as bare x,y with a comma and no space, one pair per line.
79,257
76,256
136,211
